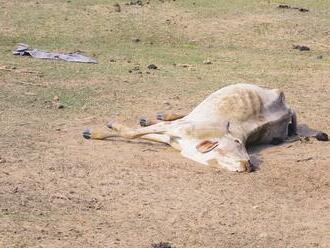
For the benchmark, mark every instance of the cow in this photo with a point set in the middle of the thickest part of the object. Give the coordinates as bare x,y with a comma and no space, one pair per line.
220,128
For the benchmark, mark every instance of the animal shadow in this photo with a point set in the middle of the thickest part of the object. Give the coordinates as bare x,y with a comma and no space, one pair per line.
304,133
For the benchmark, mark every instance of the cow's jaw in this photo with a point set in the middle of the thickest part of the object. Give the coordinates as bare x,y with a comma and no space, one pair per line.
235,164
228,154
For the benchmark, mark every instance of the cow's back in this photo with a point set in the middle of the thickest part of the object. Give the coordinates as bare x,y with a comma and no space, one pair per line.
238,102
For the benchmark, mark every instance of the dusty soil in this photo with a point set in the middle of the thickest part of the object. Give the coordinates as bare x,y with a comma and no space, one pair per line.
59,190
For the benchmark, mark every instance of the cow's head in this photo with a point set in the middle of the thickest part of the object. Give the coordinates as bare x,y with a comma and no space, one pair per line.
227,151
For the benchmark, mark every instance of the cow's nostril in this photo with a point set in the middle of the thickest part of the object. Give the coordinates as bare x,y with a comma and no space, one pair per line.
246,166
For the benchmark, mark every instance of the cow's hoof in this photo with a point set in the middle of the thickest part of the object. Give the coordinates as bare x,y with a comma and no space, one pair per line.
276,141
87,134
292,130
322,136
160,116
144,122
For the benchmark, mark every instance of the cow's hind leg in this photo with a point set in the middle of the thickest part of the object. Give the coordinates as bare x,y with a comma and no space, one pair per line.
133,133
157,132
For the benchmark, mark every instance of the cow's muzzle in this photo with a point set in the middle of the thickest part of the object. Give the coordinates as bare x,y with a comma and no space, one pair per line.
247,166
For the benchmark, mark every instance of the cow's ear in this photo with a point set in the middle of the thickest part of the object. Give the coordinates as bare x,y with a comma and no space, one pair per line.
206,146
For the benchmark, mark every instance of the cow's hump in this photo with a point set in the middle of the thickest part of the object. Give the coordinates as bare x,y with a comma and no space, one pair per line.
240,105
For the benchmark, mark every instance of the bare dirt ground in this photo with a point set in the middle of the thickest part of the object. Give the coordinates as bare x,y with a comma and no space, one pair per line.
59,190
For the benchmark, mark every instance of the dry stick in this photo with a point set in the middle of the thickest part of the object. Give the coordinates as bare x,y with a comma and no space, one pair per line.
304,159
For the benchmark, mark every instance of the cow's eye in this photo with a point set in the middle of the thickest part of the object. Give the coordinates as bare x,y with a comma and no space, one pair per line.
237,141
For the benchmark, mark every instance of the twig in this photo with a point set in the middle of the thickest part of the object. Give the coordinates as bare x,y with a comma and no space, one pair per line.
304,159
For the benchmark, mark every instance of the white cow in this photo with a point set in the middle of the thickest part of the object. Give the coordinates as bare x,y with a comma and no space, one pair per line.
219,128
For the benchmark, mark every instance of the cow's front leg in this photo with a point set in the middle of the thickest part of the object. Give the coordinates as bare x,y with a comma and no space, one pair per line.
160,116
169,116
98,135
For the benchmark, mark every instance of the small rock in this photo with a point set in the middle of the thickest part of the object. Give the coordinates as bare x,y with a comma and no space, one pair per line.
112,60
303,10
283,6
2,160
136,40
161,245
59,106
301,47
135,2
152,67
116,7
136,68
207,62
56,103
319,57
